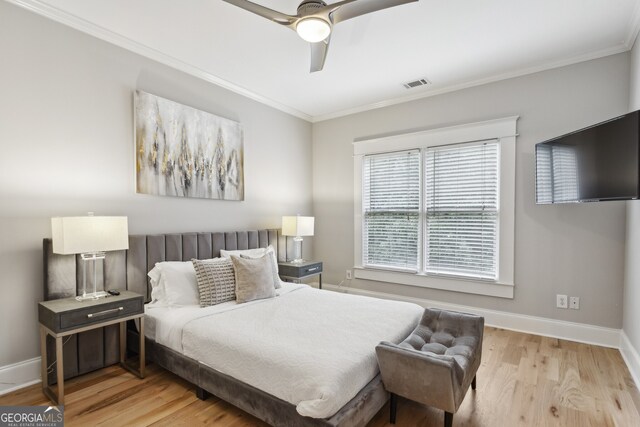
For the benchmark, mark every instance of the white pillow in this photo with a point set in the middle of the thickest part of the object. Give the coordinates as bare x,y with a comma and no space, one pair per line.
257,253
157,291
251,253
174,283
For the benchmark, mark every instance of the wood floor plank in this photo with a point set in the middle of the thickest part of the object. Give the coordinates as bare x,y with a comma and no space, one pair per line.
524,380
523,404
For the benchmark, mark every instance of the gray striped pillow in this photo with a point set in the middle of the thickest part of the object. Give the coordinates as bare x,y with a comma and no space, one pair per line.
216,281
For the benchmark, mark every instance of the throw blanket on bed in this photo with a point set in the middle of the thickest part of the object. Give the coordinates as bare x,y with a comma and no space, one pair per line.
314,349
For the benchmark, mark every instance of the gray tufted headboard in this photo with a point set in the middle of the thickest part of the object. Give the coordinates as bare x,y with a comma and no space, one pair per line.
128,269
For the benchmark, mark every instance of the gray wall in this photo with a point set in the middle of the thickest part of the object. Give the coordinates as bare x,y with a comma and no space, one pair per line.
571,249
631,323
66,148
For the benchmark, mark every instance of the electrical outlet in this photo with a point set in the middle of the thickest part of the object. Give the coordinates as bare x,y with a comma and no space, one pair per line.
561,301
574,303
348,274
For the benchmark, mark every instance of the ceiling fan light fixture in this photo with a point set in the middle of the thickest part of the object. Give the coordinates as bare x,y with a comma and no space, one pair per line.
313,30
315,19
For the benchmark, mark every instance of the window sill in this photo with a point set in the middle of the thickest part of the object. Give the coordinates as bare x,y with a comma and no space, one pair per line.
455,284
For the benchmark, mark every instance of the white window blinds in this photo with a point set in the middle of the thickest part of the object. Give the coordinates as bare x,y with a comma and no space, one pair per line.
391,209
461,218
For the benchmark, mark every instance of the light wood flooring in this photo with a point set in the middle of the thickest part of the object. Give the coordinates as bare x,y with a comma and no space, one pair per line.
524,380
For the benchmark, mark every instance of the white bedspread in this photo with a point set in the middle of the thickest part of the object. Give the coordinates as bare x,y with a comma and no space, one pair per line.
314,349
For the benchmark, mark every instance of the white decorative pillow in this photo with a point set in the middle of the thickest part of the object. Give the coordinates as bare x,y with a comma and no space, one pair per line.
216,281
274,272
253,278
257,253
174,283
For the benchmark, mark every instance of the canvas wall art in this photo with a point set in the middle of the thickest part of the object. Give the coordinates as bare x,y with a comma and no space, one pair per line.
184,152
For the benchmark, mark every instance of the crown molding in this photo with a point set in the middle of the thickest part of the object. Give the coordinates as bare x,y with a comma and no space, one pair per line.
634,27
102,33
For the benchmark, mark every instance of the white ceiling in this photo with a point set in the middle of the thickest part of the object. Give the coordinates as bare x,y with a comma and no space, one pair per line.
452,43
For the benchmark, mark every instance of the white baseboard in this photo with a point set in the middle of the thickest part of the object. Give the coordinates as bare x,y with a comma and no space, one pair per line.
19,375
579,332
631,357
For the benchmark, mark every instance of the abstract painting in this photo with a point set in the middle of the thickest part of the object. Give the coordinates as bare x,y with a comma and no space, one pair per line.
184,152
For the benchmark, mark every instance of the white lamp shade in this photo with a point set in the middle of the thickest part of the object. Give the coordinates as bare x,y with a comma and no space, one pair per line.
297,225
86,234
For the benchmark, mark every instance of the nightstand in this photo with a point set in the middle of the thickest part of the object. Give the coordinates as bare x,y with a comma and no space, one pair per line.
300,270
63,317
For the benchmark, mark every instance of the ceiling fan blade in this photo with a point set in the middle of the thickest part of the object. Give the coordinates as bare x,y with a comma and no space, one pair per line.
348,9
265,12
319,54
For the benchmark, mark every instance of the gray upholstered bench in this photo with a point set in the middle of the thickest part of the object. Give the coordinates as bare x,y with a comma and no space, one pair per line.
436,364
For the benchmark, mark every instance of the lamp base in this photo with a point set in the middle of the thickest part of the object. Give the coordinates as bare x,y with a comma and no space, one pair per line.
297,250
92,296
91,257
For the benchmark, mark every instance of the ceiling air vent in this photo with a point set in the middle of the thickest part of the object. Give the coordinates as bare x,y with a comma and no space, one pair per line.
417,83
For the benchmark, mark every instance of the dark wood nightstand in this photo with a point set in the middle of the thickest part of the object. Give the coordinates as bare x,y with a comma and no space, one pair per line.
300,270
63,317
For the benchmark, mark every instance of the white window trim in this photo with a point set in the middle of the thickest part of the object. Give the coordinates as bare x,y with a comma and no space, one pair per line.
504,130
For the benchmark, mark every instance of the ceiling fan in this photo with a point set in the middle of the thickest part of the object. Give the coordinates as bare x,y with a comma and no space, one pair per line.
315,20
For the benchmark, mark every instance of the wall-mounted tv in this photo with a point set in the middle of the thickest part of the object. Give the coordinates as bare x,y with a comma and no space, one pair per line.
598,163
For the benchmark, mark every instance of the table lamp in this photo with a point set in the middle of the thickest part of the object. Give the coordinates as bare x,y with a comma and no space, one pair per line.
297,226
90,236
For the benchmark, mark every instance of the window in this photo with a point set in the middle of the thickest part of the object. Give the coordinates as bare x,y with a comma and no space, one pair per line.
435,208
391,203
461,189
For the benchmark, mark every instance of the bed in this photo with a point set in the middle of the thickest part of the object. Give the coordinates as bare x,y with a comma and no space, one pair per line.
303,358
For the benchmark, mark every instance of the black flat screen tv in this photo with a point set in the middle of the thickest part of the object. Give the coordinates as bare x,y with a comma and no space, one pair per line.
598,163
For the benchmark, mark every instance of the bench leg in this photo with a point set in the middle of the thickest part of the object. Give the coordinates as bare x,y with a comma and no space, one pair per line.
393,407
473,383
448,419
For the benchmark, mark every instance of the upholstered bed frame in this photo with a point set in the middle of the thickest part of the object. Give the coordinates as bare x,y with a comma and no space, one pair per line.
128,269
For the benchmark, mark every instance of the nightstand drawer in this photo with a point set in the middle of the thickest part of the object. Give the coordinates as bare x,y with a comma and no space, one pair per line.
311,269
66,314
301,270
97,314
